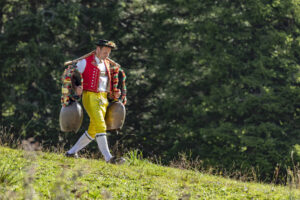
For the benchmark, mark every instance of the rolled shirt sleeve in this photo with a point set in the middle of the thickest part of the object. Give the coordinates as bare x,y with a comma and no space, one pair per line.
81,65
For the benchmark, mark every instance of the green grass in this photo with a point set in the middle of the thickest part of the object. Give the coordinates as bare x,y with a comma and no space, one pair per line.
41,175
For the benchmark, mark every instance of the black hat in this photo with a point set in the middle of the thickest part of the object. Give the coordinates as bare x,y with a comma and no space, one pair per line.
106,43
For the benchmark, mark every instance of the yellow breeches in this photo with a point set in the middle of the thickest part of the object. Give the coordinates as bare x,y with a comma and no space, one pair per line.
95,105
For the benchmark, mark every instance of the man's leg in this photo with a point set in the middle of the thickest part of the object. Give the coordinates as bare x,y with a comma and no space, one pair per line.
96,104
103,146
83,141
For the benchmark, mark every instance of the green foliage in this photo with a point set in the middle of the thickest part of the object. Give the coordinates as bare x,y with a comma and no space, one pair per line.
219,79
230,90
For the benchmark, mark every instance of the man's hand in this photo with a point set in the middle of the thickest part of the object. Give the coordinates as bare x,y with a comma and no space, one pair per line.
78,90
117,94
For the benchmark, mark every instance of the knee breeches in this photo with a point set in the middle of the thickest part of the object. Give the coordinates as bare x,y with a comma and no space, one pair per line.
95,105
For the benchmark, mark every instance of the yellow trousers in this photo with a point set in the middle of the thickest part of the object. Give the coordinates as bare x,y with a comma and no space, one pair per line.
95,105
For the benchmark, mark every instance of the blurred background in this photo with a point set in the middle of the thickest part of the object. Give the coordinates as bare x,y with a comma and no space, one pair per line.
216,81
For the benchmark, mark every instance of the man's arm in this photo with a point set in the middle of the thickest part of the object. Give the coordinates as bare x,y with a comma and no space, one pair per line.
80,67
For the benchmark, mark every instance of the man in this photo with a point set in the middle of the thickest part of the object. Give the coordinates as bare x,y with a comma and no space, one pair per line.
95,70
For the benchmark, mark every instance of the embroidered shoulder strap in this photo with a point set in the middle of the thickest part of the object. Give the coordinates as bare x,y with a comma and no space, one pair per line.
70,78
122,85
118,83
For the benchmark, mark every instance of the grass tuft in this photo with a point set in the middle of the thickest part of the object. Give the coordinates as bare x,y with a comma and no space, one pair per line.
8,176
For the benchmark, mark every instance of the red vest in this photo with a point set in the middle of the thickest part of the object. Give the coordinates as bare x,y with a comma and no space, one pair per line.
91,75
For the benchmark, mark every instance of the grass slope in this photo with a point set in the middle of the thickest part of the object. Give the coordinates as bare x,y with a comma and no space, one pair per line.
40,175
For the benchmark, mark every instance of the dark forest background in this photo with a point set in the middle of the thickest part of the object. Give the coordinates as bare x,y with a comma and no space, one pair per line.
216,80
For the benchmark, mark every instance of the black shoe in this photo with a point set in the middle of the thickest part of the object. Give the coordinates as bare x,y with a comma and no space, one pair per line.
74,155
116,161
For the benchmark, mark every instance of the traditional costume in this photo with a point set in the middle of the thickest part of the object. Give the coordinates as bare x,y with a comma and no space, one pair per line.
100,81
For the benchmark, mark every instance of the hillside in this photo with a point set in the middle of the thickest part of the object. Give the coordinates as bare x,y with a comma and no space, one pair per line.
40,175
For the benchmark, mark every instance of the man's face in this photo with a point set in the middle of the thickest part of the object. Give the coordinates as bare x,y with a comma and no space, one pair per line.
103,52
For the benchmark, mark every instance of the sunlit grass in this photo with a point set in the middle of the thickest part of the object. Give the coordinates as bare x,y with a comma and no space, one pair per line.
52,176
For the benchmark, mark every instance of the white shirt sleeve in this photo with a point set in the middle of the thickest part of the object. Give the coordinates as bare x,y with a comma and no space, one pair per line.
81,65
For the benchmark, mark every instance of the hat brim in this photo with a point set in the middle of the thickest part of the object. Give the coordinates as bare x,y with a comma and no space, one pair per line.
105,45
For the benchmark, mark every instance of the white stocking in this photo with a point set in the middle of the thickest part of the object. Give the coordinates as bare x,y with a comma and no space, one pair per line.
84,140
103,146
